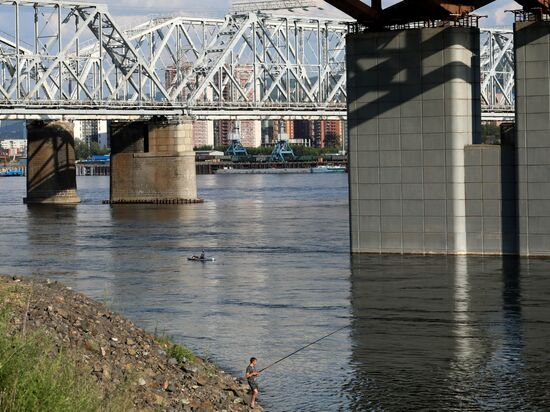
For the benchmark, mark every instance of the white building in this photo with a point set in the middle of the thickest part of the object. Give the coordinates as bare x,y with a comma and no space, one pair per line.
92,131
20,145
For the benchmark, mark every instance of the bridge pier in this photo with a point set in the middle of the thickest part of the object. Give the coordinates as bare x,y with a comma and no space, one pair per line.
413,106
532,42
51,171
153,162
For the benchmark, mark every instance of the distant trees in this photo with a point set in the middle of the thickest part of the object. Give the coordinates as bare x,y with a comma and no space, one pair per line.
490,133
84,151
333,140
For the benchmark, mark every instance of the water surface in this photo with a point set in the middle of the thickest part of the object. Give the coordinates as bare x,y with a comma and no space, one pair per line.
424,332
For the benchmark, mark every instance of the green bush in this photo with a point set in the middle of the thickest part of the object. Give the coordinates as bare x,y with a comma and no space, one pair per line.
181,354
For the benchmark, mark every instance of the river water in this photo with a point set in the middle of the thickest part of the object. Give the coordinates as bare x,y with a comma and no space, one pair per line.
436,333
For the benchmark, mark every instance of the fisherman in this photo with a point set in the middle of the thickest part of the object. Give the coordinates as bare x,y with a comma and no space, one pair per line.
202,256
251,374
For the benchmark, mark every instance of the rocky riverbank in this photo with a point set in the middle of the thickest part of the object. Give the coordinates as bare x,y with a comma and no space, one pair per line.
151,372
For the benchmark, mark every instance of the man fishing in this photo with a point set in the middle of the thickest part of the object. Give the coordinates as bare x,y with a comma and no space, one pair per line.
251,374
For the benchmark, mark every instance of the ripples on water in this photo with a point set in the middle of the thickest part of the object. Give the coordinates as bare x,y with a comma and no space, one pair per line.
426,332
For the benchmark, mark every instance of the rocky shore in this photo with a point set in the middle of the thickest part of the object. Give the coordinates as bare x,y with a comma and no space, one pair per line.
152,371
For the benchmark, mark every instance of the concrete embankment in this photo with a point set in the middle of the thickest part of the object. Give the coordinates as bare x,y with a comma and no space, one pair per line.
119,356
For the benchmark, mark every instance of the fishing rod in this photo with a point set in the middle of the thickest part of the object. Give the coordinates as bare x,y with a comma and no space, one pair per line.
304,347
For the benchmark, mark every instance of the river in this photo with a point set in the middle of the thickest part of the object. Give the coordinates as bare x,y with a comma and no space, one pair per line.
451,333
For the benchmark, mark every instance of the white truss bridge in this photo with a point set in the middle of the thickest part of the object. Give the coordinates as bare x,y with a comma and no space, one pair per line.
63,59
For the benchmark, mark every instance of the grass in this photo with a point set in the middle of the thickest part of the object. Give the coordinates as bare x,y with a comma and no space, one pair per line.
35,375
176,351
181,354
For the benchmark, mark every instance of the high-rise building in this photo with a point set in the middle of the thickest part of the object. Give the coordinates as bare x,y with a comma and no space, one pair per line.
92,131
303,132
203,133
327,133
250,132
283,128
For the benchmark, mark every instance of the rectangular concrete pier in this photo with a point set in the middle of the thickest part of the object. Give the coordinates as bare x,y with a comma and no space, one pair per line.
532,42
414,105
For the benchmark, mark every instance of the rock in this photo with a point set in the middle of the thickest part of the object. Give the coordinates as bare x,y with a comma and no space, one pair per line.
159,378
170,388
172,361
114,339
106,373
130,341
92,346
201,379
63,313
190,369
141,382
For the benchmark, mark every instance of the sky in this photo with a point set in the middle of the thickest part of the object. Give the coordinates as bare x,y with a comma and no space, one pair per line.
130,13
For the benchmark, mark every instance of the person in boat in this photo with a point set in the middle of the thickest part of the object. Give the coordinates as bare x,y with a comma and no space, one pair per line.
202,255
251,374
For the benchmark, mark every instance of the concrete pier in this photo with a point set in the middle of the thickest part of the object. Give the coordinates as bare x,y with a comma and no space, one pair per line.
532,43
153,162
414,105
51,172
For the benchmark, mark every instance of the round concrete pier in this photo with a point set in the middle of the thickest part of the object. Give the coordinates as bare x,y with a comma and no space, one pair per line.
51,172
153,162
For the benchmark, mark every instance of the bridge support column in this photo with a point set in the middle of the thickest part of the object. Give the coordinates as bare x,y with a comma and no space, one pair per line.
51,171
414,103
153,162
532,42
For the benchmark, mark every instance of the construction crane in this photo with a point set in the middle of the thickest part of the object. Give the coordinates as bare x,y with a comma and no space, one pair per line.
236,148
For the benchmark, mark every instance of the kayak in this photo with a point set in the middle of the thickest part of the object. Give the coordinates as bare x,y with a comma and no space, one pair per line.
199,259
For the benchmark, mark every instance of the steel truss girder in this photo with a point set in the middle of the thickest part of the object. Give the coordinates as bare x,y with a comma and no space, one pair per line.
78,60
257,59
497,70
48,65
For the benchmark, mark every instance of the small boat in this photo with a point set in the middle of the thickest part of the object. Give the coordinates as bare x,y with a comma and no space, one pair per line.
11,173
328,169
199,259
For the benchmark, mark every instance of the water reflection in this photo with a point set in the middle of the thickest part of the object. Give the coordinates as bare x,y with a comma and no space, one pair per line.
447,333
429,332
47,223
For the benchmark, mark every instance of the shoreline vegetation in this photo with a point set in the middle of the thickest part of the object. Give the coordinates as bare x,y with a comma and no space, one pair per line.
62,351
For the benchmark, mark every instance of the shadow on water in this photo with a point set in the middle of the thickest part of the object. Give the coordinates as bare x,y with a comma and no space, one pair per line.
447,333
47,225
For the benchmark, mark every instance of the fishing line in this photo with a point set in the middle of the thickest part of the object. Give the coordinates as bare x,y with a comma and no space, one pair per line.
304,347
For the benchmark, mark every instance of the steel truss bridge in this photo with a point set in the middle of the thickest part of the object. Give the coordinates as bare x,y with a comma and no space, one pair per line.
72,60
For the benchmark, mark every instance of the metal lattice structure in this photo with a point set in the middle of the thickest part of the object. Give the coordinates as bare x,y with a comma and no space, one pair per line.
77,62
258,63
497,72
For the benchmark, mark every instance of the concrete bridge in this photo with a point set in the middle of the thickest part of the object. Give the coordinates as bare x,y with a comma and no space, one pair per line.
420,180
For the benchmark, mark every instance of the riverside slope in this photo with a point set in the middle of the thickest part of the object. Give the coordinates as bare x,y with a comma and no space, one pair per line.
116,352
